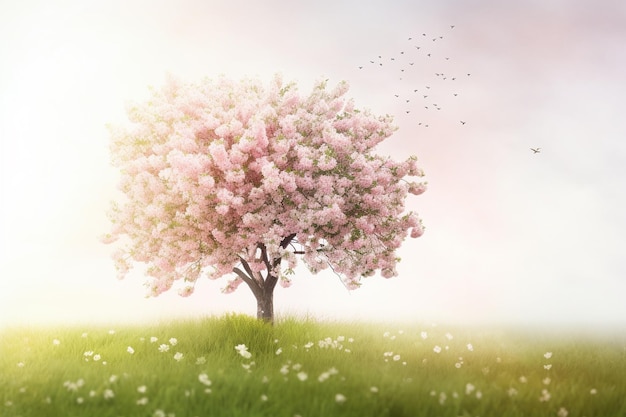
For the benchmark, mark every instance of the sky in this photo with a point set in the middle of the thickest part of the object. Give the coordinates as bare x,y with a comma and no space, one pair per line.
512,236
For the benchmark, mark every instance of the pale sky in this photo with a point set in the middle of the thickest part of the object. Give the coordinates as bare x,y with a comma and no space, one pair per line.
511,236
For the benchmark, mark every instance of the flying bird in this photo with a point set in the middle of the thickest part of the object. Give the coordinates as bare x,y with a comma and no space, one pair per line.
535,150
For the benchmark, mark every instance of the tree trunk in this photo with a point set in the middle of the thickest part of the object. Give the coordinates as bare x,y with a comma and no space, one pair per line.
265,305
263,289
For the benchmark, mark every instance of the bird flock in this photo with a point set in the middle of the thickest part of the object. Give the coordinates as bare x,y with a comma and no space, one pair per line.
425,76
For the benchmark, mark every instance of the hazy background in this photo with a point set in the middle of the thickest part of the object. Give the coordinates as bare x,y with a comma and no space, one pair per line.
511,236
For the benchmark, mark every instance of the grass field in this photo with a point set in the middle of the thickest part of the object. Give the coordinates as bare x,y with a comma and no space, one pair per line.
235,366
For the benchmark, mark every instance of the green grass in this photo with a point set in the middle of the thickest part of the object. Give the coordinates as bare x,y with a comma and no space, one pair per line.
502,374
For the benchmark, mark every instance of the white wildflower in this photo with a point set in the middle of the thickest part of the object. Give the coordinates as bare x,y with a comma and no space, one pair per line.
243,351
204,379
340,398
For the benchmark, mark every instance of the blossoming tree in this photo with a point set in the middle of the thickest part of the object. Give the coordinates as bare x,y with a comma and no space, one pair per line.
245,179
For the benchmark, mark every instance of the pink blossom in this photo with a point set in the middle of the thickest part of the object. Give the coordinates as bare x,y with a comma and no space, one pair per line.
186,291
326,163
222,209
417,232
417,188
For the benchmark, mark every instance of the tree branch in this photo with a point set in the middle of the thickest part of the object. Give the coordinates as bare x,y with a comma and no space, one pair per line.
246,266
266,260
270,282
287,240
254,286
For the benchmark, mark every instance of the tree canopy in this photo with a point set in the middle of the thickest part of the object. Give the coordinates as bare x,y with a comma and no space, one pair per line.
245,179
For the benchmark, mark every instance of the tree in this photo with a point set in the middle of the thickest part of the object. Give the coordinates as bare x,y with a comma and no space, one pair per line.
223,177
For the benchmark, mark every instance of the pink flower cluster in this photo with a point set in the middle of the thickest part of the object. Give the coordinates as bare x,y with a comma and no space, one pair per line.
212,170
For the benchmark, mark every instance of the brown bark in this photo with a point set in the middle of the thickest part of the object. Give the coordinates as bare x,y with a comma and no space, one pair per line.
265,306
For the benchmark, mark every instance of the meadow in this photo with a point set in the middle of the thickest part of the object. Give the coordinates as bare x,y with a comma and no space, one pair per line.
235,366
